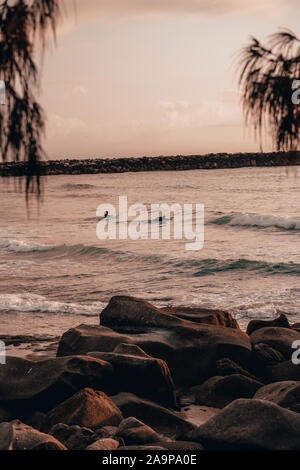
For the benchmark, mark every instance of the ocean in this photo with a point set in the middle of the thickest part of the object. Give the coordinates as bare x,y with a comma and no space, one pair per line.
55,273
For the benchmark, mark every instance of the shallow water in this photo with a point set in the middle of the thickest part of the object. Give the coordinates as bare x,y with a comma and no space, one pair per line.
55,273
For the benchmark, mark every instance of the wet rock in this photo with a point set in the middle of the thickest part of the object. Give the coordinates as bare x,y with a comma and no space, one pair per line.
106,432
73,437
143,375
87,338
162,420
203,315
147,448
285,394
219,391
180,346
250,424
18,436
26,386
104,444
281,322
133,312
179,445
284,371
265,354
134,432
226,366
280,339
87,408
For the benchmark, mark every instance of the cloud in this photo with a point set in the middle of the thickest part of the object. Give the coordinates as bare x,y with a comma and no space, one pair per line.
59,126
223,110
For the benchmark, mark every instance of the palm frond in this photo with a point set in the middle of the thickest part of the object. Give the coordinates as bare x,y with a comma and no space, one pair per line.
265,79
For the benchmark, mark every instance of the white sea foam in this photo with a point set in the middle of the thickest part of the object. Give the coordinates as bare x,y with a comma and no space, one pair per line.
256,220
28,302
20,246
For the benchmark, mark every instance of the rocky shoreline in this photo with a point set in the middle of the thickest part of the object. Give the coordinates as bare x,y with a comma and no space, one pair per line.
162,163
146,378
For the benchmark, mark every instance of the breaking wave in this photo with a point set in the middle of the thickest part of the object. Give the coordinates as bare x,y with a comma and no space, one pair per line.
260,221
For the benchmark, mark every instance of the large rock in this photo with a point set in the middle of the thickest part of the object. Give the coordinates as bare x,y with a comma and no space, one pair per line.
73,437
220,391
203,315
281,322
190,350
133,312
265,354
166,445
18,436
162,420
250,424
27,386
104,444
134,432
226,366
281,339
140,374
285,394
87,408
282,372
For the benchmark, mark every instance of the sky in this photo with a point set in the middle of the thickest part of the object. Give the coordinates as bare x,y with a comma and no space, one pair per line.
153,77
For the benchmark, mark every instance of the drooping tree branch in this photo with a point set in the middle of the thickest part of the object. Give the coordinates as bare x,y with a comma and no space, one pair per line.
24,24
266,75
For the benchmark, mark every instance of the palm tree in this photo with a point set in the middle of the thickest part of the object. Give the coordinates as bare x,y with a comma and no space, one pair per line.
266,77
23,23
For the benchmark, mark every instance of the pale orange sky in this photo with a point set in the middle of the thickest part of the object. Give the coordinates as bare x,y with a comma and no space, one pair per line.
152,77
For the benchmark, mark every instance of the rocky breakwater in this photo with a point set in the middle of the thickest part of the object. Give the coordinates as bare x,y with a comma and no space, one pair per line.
162,163
148,378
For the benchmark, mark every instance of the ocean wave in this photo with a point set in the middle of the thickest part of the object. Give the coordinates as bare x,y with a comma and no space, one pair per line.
72,186
208,267
28,302
20,246
259,221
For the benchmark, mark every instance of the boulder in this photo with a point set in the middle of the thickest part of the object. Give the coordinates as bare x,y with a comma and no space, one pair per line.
250,424
162,420
203,315
280,339
104,444
105,432
226,366
87,408
265,354
281,322
142,375
179,445
144,448
285,394
18,436
134,432
73,437
190,350
87,338
282,372
133,312
220,391
27,386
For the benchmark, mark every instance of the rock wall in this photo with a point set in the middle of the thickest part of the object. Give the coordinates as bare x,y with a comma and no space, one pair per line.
172,163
